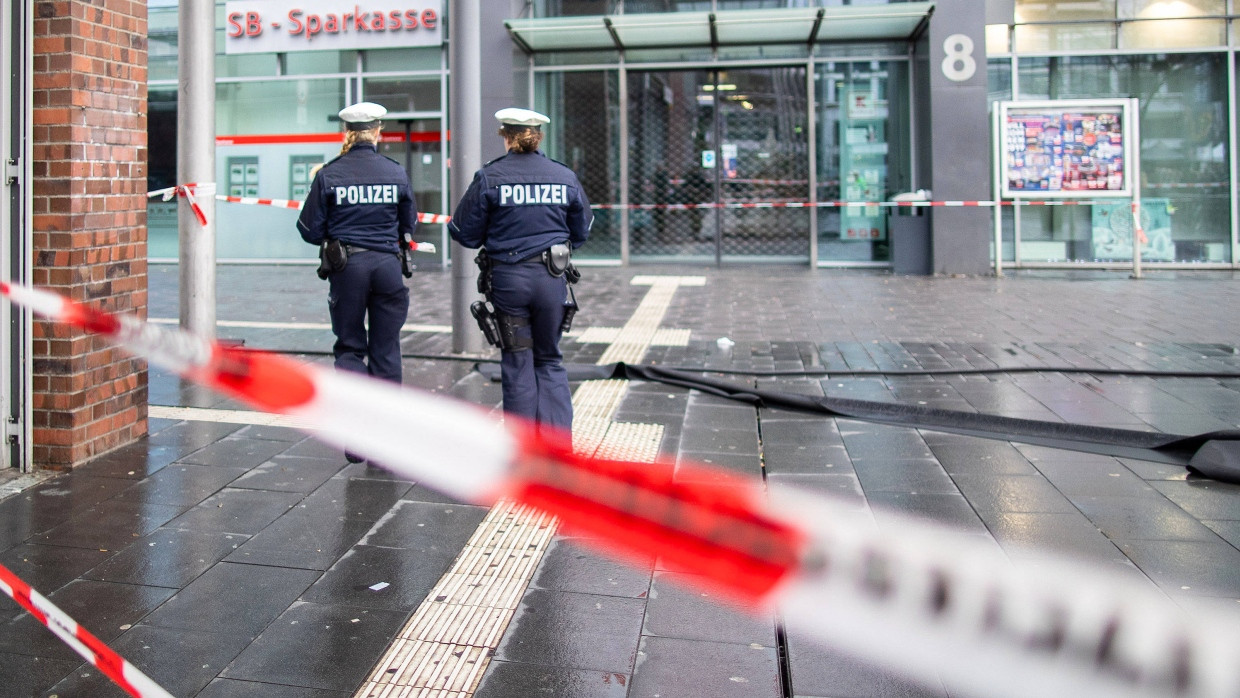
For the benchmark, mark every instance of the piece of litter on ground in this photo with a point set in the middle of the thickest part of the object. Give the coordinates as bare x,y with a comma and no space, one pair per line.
379,587
725,343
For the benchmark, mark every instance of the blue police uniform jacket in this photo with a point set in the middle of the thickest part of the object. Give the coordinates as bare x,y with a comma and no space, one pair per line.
360,198
519,205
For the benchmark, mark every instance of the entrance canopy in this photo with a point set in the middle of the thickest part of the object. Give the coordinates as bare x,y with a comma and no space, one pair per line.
799,25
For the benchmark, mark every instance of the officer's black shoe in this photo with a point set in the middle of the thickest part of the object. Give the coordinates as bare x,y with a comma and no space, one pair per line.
353,457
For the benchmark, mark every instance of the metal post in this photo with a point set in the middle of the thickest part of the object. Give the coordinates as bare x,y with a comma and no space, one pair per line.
623,148
1133,162
465,125
1233,133
996,185
714,79
196,162
811,122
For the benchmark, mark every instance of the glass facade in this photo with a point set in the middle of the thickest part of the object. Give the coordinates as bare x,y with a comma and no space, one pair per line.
737,152
1186,113
275,121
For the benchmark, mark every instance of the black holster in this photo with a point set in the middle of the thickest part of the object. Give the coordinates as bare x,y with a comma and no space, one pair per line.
557,258
332,258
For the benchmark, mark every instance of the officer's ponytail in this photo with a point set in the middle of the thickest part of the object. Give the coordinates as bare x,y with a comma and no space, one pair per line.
352,138
521,139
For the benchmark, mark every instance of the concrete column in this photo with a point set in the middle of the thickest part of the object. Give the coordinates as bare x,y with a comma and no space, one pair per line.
958,136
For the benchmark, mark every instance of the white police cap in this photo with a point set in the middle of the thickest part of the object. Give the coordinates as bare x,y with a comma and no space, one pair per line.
362,116
514,116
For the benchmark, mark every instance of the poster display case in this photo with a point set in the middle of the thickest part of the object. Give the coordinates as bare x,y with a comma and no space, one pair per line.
1066,149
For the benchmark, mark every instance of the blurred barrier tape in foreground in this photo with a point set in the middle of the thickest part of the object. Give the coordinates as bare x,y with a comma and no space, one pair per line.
909,595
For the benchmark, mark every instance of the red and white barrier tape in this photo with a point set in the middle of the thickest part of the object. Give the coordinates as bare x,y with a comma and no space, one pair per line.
914,597
111,664
289,203
1136,224
852,204
188,192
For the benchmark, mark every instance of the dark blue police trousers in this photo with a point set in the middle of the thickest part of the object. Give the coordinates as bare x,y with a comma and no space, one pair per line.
370,285
535,384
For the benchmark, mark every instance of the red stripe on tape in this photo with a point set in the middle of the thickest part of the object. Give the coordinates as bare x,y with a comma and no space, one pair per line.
696,519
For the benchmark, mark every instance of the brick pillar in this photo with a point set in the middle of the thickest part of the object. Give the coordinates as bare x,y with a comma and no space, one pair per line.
89,226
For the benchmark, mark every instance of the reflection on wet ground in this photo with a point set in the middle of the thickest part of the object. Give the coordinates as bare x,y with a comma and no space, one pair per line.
229,559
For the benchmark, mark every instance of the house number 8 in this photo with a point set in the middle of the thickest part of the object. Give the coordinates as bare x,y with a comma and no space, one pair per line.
959,64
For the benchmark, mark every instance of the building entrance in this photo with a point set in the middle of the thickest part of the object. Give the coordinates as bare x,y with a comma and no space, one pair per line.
716,158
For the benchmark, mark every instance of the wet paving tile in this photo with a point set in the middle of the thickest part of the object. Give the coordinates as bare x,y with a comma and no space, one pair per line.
1011,493
103,608
302,540
287,473
1188,567
1142,518
982,456
237,452
234,510
1069,533
681,606
322,647
110,525
188,437
951,510
181,661
676,667
570,564
46,568
181,484
168,557
135,460
799,459
582,631
24,675
823,673
1204,499
844,487
909,476
507,679
211,600
232,688
1093,478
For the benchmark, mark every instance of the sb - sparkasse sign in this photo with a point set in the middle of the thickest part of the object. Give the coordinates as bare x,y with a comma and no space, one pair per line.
258,26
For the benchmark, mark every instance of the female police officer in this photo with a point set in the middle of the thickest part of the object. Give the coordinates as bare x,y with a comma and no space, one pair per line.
517,207
361,204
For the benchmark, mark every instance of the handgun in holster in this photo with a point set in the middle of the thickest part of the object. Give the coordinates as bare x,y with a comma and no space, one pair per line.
570,309
406,256
487,322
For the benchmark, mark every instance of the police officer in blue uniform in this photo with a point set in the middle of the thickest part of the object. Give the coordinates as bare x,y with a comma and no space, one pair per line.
518,208
360,210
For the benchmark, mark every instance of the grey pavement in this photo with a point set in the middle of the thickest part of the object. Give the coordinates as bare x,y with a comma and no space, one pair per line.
232,560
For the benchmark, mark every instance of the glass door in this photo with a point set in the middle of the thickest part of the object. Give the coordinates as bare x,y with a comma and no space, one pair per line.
863,156
715,157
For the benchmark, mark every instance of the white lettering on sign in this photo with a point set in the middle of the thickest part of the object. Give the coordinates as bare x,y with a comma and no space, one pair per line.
532,194
266,26
366,194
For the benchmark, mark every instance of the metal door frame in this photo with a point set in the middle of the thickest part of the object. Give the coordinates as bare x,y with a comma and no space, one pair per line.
16,258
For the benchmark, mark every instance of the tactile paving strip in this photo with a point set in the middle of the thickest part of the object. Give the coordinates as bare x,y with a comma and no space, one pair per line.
443,650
